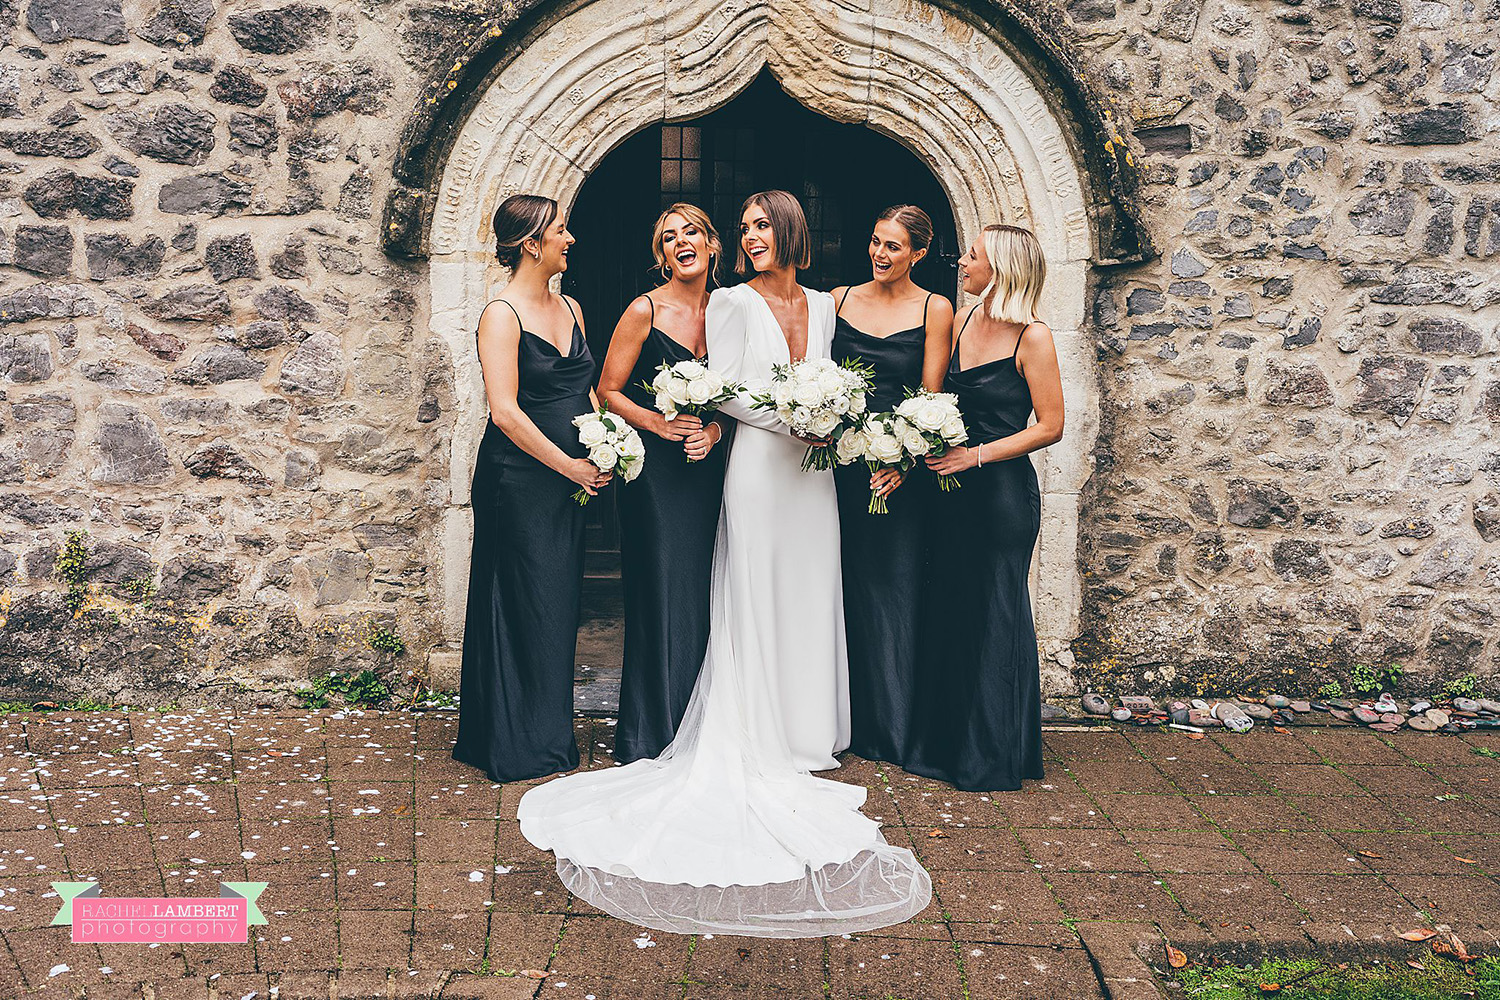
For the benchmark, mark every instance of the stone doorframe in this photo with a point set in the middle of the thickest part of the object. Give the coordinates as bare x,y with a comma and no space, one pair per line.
941,82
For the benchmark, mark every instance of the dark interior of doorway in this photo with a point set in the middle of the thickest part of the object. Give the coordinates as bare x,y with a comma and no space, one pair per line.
843,174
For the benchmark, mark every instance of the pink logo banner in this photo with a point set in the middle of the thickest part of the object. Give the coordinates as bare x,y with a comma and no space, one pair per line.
149,920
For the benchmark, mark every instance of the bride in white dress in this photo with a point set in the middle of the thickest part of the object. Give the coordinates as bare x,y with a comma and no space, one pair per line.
727,832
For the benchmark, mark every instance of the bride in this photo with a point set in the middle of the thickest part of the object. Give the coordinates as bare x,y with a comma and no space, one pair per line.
727,831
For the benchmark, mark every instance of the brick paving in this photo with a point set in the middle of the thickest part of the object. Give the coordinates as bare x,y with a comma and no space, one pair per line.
395,872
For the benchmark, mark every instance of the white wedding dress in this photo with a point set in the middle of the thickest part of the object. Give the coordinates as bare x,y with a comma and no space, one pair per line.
727,832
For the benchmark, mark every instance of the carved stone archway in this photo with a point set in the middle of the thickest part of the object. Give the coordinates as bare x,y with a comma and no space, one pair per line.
939,81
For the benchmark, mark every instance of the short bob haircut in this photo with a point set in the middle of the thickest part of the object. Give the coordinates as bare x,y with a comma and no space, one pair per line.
793,242
1018,273
696,217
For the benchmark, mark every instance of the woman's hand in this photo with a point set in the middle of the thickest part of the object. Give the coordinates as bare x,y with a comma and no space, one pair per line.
884,481
698,444
587,474
953,460
822,442
679,428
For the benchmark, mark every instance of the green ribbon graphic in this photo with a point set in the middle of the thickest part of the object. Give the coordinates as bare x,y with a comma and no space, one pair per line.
250,891
70,891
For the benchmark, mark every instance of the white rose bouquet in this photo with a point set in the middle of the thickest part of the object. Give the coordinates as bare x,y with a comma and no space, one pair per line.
818,398
613,446
689,387
933,416
881,442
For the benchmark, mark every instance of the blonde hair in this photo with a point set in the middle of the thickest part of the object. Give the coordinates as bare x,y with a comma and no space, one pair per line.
1019,270
696,217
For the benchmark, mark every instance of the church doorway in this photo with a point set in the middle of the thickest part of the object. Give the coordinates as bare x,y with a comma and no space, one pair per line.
844,176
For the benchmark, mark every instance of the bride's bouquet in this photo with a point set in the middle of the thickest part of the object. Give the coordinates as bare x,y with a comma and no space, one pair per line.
818,398
935,418
689,387
613,446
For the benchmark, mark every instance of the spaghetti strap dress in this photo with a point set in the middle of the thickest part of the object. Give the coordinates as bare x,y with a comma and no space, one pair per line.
515,717
884,556
668,519
979,724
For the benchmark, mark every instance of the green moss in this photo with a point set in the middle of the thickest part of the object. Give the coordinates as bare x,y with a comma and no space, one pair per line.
71,561
1466,686
1306,979
384,639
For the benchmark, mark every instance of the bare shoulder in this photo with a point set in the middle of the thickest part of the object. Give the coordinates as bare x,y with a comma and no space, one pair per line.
938,307
641,308
1036,332
499,317
840,292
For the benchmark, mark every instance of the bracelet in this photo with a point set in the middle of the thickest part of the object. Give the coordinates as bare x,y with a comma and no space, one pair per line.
979,454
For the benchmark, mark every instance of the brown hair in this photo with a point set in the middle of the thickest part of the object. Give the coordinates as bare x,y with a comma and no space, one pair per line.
696,217
917,223
793,242
518,219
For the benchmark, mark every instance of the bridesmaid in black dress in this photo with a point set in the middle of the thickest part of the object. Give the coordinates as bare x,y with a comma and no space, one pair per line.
905,334
978,722
516,694
670,514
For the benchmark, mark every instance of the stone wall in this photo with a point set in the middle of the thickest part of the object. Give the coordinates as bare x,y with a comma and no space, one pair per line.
1297,469
208,365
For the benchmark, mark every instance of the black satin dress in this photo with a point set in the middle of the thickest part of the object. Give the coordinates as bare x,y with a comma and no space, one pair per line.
884,556
979,721
515,717
668,519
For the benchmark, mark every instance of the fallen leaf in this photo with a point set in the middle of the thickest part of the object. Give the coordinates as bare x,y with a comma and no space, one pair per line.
1281,729
277,753
535,973
1270,987
1176,958
935,832
1371,854
1195,736
400,810
1465,861
1416,965
1420,934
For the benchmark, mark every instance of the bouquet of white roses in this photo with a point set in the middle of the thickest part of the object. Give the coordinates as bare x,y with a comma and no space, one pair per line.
613,446
689,387
880,442
818,398
936,419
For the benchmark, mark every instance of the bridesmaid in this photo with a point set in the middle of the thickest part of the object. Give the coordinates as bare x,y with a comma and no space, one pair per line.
905,333
978,722
669,515
516,693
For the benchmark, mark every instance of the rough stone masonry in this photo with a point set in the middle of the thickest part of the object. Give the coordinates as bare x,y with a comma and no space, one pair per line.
208,366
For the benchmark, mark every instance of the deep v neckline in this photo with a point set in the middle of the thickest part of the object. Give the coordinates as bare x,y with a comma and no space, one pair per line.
807,304
572,341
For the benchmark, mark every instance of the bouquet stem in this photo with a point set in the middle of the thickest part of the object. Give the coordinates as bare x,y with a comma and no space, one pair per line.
581,497
819,457
948,483
877,504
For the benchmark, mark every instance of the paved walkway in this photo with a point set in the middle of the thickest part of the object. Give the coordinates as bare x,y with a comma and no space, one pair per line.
396,872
